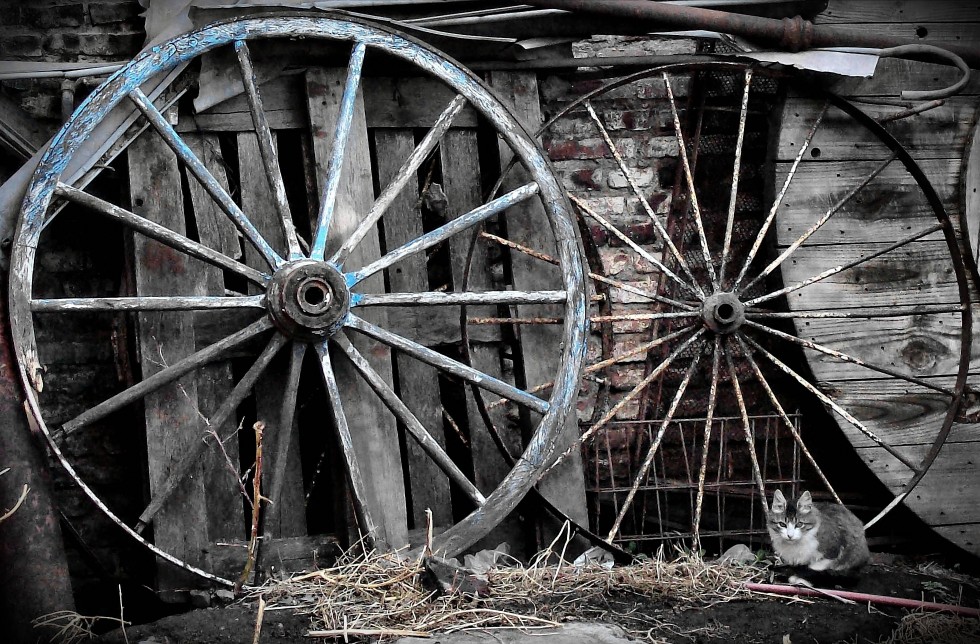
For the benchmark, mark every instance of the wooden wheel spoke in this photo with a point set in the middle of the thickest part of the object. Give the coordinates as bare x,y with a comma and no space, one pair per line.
408,170
709,418
267,149
764,229
730,221
335,163
648,460
774,264
689,176
747,427
843,267
180,471
761,379
410,421
204,176
825,399
147,303
165,376
445,231
161,234
286,422
657,224
354,476
450,366
843,357
639,250
466,297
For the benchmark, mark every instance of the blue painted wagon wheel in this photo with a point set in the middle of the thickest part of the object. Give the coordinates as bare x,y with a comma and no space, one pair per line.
308,294
850,262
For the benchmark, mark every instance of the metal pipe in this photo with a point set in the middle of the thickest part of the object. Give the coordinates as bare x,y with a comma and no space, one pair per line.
792,34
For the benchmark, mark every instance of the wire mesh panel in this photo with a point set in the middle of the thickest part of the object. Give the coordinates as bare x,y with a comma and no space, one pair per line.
664,507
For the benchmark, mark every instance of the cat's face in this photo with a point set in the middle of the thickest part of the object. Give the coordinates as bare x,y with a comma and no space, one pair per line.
792,520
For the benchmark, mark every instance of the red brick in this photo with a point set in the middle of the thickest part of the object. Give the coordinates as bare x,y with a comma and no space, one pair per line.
70,15
111,45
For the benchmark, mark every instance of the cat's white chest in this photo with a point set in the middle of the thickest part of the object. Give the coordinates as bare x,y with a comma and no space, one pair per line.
804,552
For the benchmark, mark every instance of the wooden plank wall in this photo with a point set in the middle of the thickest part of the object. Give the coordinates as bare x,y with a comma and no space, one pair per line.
841,156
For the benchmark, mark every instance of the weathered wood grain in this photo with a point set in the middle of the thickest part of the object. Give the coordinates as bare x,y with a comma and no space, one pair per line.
215,381
403,102
374,430
172,416
418,383
288,517
940,133
540,345
898,11
946,493
889,209
921,345
970,191
892,75
899,413
461,176
920,272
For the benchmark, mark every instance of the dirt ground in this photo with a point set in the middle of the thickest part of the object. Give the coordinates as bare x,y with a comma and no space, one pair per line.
760,618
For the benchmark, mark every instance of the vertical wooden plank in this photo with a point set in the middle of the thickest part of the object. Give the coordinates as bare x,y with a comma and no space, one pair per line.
527,222
460,159
214,381
172,421
374,430
418,384
288,517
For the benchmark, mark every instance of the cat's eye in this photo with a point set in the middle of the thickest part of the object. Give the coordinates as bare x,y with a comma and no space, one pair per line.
781,524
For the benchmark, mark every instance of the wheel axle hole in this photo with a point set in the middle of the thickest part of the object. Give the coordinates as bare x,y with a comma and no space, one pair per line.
725,312
314,296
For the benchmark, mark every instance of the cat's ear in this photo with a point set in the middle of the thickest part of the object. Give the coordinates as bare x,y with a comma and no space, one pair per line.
778,503
805,503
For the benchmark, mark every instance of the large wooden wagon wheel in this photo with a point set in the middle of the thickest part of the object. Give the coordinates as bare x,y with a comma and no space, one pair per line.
310,296
865,280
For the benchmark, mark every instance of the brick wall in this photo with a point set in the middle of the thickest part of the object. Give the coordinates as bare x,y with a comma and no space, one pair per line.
64,31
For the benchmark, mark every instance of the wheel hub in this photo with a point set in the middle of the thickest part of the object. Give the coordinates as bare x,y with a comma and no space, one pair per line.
308,299
723,312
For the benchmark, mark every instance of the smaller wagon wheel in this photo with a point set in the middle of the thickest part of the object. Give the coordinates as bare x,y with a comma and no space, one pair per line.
308,293
739,285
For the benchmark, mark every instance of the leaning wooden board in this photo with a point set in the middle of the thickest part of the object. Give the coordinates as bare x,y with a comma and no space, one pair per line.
841,155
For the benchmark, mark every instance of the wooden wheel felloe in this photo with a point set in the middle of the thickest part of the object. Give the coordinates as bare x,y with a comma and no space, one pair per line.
291,300
843,289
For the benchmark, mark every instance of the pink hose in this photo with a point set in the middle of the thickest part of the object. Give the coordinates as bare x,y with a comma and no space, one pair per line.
781,589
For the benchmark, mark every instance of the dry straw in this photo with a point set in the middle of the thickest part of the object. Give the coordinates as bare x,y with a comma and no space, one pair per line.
382,594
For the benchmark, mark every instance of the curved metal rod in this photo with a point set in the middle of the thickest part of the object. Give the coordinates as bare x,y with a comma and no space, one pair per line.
904,51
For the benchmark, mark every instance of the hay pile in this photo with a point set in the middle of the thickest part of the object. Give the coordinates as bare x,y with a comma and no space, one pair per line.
928,628
383,594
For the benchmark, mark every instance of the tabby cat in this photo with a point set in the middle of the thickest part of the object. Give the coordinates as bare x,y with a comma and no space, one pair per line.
825,538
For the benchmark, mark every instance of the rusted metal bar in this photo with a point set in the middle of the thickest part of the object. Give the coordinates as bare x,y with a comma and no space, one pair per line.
791,34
